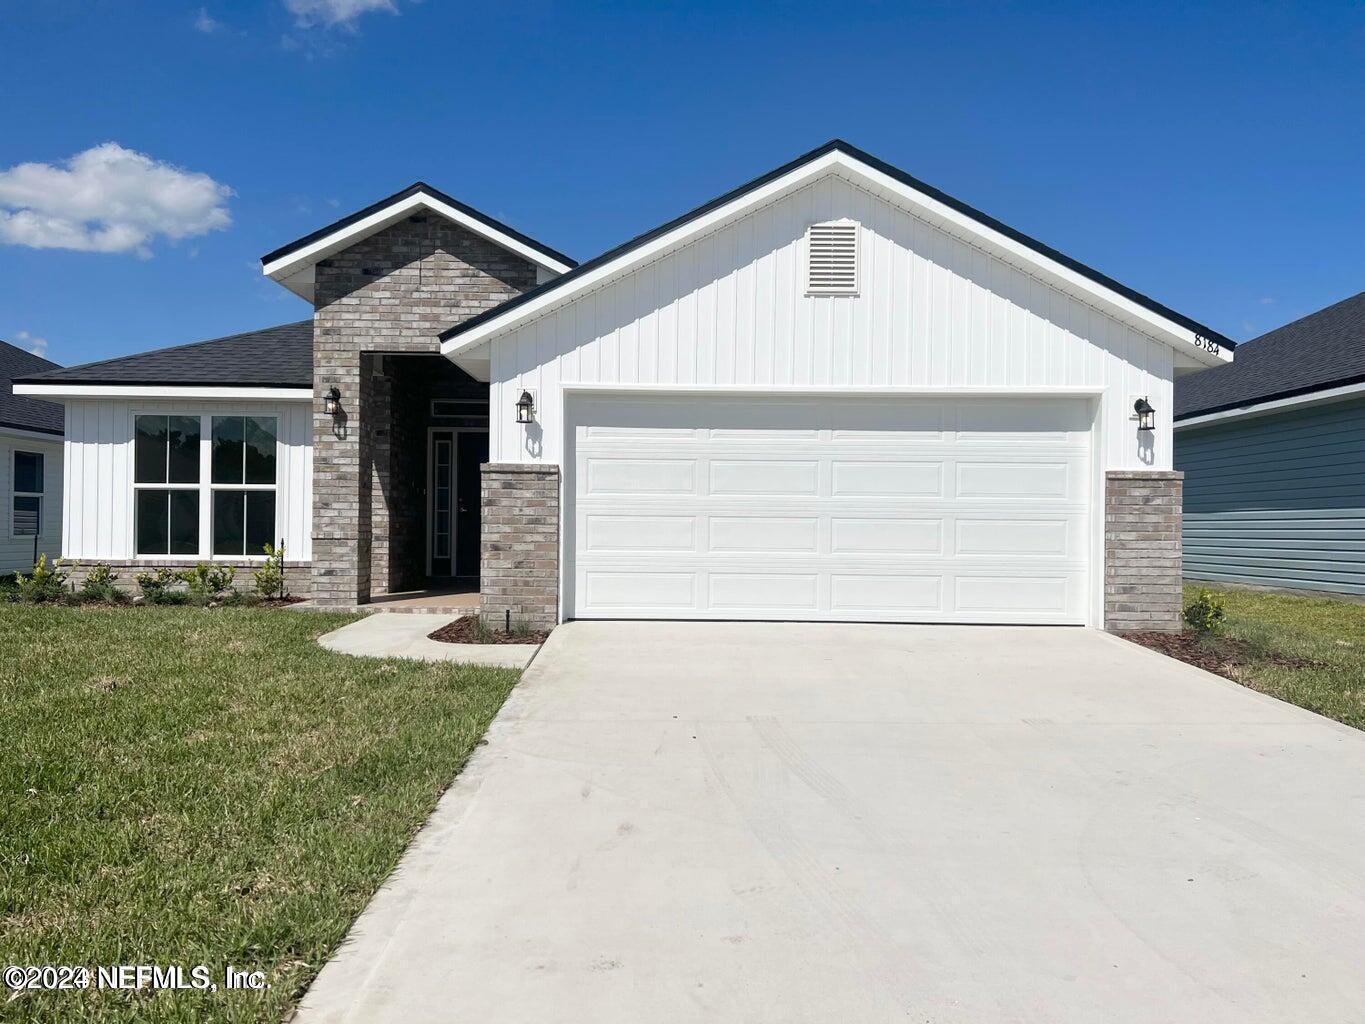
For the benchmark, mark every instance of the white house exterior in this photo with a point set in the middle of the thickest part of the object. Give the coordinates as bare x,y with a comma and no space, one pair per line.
833,394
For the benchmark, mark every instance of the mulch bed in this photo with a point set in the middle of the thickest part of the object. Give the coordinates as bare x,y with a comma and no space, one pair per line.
1221,656
465,630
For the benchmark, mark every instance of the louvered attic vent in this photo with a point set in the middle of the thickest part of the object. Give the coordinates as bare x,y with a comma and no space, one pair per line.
832,258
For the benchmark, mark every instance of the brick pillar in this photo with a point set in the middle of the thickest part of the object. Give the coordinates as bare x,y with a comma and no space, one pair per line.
342,485
1142,571
519,556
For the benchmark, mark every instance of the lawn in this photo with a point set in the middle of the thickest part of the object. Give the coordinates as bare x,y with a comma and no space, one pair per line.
1309,651
185,787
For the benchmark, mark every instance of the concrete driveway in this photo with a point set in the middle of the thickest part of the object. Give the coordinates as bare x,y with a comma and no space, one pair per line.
783,823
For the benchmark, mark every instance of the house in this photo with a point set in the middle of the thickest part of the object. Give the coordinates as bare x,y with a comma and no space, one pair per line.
834,393
30,467
1273,450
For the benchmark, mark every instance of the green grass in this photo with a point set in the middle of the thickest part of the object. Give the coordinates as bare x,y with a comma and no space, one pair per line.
1269,636
181,786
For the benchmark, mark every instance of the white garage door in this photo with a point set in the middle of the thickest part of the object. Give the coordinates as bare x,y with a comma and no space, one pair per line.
853,509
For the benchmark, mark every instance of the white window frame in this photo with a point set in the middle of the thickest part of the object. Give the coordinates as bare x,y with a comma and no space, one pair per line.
16,493
204,487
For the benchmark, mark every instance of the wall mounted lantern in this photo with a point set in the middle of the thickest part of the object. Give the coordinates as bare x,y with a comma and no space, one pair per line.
331,401
526,408
1146,415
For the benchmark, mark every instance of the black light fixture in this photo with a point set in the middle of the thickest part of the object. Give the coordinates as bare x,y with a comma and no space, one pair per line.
526,408
331,401
1146,415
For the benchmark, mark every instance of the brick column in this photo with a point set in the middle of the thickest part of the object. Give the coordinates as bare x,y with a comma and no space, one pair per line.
519,556
1142,572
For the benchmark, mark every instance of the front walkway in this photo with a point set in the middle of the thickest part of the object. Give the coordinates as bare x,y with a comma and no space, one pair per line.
811,823
386,635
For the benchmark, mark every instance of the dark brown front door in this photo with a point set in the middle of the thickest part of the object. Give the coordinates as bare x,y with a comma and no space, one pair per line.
471,454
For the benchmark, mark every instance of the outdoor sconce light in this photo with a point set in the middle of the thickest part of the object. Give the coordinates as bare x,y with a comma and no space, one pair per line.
1146,415
331,402
526,408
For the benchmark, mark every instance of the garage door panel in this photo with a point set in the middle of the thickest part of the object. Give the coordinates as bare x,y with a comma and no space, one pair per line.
887,510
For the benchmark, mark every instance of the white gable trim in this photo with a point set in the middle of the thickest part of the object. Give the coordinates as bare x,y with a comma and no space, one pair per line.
194,391
917,203
1250,410
285,268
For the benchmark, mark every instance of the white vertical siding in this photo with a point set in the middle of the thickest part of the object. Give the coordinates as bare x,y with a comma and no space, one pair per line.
730,310
99,471
16,553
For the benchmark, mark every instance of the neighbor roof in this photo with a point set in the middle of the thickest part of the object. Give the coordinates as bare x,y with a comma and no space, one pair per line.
274,357
1323,350
507,311
17,411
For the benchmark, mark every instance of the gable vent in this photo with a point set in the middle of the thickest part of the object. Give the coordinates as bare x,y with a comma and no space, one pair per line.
832,258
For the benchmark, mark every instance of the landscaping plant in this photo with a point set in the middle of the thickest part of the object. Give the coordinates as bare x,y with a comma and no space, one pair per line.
161,587
100,586
206,583
270,577
44,585
1207,612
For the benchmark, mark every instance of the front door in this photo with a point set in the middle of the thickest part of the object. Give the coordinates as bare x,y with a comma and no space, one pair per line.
453,506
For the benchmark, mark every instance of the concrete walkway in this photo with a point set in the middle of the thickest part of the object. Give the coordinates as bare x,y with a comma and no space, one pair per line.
402,635
688,822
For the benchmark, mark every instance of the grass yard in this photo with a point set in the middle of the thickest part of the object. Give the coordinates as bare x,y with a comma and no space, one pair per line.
185,787
1309,651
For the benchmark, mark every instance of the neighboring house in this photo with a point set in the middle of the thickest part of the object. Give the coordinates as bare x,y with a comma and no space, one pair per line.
834,393
30,467
1273,449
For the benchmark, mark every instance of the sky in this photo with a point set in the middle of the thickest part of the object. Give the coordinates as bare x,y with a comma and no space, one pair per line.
151,152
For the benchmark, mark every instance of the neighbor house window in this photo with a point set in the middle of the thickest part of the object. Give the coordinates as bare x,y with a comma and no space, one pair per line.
243,484
28,494
166,485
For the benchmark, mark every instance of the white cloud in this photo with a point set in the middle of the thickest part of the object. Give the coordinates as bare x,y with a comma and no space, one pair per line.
107,199
334,13
206,23
38,346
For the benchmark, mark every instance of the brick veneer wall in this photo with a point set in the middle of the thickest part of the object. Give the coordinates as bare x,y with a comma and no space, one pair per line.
1142,572
298,576
392,292
520,544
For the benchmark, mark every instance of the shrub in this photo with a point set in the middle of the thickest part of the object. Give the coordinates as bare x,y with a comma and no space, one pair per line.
205,582
99,585
1207,612
270,577
160,587
45,583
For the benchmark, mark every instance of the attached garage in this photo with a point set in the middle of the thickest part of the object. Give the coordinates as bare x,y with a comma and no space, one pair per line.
829,508
834,394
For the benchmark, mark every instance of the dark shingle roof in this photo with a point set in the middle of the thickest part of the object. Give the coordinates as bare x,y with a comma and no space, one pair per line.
20,411
1325,349
275,357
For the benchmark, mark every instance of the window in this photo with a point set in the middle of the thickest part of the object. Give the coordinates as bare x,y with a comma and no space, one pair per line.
243,483
27,509
166,485
832,258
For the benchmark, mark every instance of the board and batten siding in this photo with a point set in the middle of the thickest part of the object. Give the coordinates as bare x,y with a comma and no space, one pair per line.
99,471
730,309
16,553
1277,500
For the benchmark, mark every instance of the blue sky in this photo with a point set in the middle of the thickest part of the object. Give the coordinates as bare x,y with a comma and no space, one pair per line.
1212,158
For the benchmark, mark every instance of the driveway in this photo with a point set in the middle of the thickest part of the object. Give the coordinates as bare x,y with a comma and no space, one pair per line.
787,823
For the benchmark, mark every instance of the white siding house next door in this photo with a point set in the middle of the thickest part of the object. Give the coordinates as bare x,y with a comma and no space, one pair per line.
827,507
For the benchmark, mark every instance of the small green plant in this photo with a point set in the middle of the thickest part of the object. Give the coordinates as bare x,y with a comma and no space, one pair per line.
161,587
46,583
1207,612
100,585
270,577
205,582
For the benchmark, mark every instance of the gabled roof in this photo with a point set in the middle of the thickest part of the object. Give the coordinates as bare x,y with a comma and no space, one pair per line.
930,203
18,412
292,264
1323,350
275,357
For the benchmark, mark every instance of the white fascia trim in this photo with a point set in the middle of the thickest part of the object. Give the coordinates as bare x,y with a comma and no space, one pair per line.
207,392
31,435
1247,412
285,266
927,208
834,391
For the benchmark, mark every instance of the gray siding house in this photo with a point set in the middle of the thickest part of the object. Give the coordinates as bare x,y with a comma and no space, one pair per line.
1273,451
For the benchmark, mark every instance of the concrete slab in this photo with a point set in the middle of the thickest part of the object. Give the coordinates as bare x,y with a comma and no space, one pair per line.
682,822
400,635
